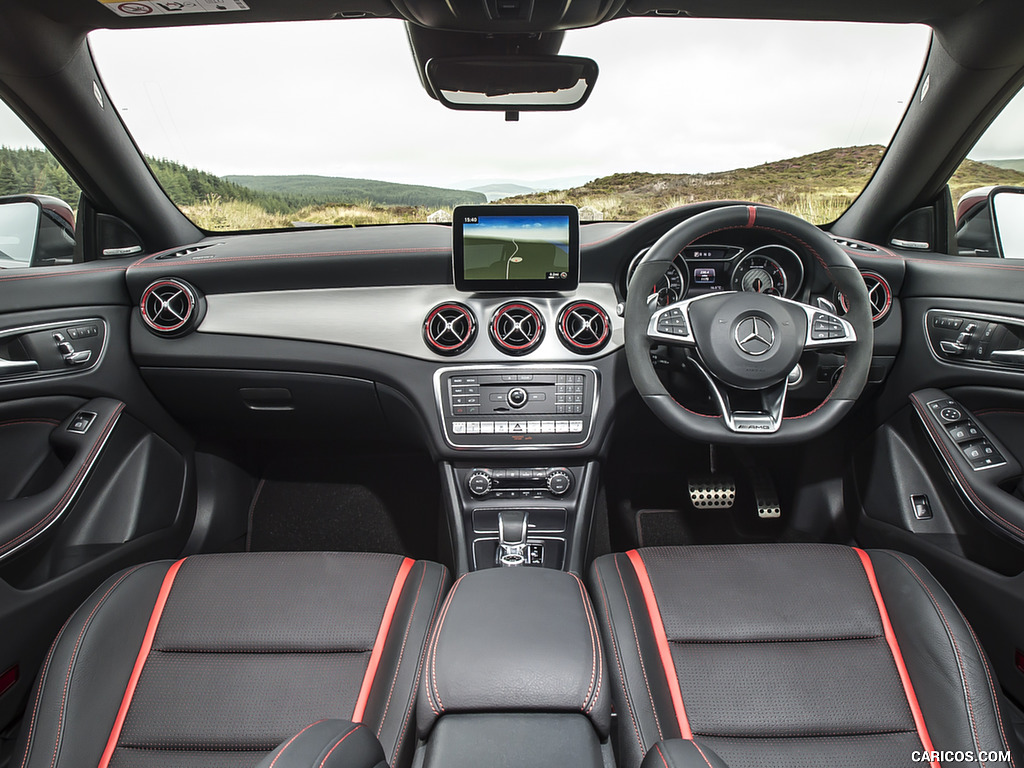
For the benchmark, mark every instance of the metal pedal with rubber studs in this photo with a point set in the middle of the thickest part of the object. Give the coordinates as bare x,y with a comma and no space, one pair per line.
765,496
717,492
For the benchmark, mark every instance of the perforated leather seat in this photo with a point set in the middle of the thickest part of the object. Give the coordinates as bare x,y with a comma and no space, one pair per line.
792,655
216,659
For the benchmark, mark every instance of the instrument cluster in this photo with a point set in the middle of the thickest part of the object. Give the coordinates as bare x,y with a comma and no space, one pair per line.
772,268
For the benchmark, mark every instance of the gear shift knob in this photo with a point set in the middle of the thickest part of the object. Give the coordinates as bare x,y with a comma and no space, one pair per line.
512,528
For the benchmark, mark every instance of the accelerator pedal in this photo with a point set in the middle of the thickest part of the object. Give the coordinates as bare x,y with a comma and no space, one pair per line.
765,495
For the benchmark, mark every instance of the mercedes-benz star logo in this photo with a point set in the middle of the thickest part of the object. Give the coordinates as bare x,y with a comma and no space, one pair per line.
754,335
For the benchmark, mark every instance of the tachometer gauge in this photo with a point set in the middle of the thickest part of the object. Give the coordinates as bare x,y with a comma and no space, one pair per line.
759,274
670,288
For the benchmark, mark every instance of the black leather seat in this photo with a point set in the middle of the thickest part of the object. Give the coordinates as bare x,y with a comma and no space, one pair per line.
215,660
792,655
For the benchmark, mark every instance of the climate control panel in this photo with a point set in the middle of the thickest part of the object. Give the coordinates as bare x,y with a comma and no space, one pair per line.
530,483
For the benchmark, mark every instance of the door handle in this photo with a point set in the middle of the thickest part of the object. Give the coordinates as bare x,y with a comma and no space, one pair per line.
14,367
1008,356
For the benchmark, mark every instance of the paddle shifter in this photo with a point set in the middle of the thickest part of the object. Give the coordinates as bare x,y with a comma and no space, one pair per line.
512,538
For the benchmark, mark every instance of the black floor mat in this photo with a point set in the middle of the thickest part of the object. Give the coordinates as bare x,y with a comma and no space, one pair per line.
366,510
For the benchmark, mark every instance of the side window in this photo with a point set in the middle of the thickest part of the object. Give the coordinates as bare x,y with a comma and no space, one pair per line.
38,200
988,189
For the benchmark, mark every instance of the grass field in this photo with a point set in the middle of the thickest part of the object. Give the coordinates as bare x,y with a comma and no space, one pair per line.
817,187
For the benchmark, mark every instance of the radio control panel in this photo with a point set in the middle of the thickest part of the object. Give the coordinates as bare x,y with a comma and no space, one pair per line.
517,406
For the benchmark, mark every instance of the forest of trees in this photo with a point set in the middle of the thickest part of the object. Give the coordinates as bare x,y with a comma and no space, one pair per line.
36,171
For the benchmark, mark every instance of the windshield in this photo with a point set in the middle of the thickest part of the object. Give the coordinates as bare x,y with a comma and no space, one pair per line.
326,123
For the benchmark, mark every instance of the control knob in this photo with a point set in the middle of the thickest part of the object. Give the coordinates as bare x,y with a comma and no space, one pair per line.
479,483
559,481
517,397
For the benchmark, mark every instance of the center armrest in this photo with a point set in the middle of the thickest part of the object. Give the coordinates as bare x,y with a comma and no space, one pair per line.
516,640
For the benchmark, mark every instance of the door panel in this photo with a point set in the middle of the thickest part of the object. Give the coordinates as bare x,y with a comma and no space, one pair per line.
95,475
916,481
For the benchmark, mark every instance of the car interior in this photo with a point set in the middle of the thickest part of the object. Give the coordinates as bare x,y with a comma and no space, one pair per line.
350,495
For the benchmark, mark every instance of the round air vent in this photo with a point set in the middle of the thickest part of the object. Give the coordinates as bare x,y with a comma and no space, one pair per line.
516,328
449,328
879,295
170,307
584,327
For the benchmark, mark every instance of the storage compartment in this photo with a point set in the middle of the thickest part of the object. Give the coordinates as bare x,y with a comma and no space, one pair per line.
269,405
516,670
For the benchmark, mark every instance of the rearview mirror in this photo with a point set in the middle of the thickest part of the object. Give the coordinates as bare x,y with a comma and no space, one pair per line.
512,83
1007,206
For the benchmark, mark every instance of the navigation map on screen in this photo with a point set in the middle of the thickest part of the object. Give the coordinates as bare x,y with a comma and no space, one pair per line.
516,247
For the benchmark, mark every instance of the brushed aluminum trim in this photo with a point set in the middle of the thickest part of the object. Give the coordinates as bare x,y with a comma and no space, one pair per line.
390,318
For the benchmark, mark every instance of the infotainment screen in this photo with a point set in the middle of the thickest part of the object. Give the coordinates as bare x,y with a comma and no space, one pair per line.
516,248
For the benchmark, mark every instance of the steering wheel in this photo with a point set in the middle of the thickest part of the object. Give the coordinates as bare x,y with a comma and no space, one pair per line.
746,344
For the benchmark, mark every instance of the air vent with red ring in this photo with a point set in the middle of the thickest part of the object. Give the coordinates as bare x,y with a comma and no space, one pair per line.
516,328
450,328
170,307
583,327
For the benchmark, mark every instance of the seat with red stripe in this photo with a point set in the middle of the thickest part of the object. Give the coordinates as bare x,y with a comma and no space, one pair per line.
215,660
776,656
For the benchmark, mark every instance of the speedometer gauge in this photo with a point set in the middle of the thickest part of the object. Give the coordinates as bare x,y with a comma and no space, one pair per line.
759,274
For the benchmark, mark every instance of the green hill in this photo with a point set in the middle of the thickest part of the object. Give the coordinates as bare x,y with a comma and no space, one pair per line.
1013,165
328,190
817,187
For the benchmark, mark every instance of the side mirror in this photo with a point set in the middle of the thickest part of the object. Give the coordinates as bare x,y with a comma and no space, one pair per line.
35,230
1007,206
512,83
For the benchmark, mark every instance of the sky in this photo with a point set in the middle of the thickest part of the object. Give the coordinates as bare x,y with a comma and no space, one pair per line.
547,228
342,98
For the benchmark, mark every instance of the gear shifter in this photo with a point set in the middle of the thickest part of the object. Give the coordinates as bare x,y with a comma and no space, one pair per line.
512,527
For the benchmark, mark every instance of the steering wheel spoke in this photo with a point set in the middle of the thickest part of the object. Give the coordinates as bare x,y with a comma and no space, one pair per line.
827,329
671,325
764,419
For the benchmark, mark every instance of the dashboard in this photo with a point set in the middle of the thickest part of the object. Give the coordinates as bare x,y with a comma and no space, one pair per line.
369,327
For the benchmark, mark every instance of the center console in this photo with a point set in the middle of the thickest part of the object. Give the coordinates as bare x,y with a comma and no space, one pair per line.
504,511
509,407
480,702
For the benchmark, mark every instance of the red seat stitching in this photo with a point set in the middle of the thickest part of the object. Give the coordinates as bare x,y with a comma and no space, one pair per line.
593,646
956,651
419,668
289,742
401,653
639,653
336,745
71,663
618,660
437,637
991,685
39,691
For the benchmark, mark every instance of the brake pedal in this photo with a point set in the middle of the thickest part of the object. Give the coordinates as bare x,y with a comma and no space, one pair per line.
714,492
765,496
